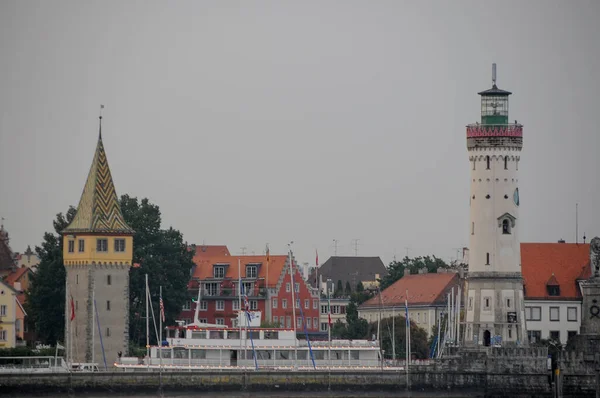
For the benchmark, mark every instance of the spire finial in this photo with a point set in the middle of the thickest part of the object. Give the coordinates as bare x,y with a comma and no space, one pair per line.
100,123
494,74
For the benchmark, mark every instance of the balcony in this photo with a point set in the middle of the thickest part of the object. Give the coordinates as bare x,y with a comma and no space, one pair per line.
494,135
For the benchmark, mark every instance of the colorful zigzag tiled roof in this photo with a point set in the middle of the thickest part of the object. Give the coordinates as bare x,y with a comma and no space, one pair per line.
99,210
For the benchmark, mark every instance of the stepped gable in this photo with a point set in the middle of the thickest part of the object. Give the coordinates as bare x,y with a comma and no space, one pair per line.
99,210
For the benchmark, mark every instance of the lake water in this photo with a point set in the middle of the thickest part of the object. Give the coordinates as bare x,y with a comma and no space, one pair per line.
333,394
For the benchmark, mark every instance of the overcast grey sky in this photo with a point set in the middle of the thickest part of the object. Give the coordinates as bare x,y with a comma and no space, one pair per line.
250,122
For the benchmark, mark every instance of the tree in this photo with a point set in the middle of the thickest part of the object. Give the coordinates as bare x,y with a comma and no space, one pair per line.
418,338
164,256
162,253
45,304
348,289
339,290
397,269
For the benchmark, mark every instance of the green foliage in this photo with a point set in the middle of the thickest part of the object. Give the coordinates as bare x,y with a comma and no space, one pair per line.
359,287
339,290
164,256
269,325
162,253
407,265
28,352
45,305
354,328
348,289
418,338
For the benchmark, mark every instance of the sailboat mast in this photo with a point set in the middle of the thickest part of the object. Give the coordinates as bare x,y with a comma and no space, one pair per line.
240,305
393,334
294,310
93,321
147,325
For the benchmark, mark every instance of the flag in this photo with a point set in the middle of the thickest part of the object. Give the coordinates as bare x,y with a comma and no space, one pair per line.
317,259
162,310
246,305
268,256
72,309
329,317
59,346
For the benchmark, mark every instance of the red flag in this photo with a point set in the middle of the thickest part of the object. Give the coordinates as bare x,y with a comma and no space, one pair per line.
72,309
317,260
329,317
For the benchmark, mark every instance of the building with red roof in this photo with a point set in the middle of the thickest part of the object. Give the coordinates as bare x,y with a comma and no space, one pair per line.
551,276
267,284
426,294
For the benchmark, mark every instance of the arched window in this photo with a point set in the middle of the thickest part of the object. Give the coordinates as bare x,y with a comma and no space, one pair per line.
506,163
506,227
487,160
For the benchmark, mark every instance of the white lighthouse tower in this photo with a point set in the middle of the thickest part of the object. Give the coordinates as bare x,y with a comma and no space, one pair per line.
495,312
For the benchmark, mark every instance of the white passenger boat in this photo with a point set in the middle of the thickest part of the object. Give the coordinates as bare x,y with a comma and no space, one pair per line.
205,346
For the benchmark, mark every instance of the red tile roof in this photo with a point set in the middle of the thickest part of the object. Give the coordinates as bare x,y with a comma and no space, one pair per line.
423,289
16,275
206,251
204,266
554,263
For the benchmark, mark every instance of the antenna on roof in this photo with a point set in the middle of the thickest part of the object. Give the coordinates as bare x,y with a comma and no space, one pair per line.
100,122
355,242
335,242
494,74
576,223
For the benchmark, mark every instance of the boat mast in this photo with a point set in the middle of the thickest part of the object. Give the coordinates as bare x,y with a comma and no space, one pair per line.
147,325
93,320
240,305
293,307
393,334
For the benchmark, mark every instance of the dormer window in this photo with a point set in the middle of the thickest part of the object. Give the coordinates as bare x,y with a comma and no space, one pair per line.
251,271
487,161
553,287
219,271
553,290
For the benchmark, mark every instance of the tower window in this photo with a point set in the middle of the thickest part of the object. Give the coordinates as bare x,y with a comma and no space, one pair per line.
506,163
472,228
474,161
108,279
505,227
71,246
77,279
487,161
507,303
107,332
81,244
486,303
119,245
510,333
487,258
101,245
107,305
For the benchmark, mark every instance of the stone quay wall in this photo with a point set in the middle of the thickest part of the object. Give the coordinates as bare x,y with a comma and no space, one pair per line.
456,383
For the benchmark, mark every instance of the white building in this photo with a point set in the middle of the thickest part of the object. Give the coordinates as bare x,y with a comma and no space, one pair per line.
551,273
495,306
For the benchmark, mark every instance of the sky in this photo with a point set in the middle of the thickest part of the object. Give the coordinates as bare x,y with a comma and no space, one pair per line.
255,122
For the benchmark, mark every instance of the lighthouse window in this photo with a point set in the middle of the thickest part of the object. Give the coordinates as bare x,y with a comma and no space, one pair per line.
506,163
487,258
487,161
472,228
505,227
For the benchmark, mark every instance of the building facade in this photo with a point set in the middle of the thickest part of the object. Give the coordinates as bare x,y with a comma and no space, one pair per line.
552,273
425,293
97,254
495,301
266,281
8,316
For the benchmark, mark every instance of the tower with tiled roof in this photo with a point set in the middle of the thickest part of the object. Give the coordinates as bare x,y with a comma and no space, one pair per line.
97,254
494,304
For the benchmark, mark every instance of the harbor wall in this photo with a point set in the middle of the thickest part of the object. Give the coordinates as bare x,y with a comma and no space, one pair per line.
462,383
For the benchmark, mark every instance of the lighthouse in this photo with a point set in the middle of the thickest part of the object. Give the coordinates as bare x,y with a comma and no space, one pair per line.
495,312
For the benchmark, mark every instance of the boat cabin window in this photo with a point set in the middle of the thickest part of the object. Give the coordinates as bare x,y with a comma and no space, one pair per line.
302,355
253,335
181,333
200,334
271,335
198,354
233,335
166,353
319,355
283,354
180,353
216,334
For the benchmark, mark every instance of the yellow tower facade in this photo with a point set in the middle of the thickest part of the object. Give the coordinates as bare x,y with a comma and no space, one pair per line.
97,254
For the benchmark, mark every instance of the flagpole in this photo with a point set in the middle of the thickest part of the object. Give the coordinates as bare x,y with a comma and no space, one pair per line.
393,334
160,328
293,309
407,334
329,322
93,322
240,305
147,327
